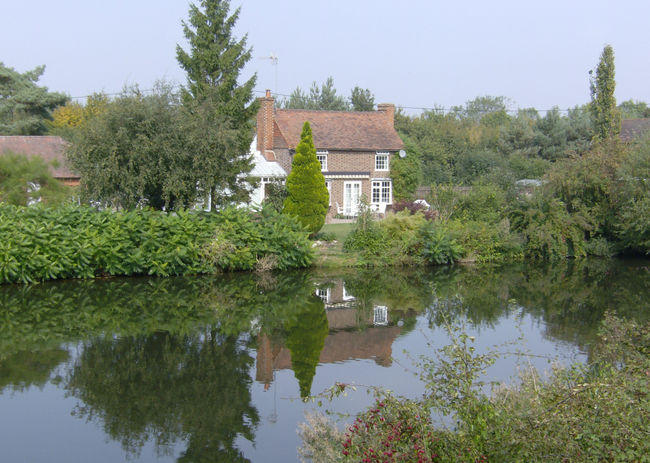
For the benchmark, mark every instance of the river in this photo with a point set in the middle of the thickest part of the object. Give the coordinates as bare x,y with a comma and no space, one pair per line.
214,368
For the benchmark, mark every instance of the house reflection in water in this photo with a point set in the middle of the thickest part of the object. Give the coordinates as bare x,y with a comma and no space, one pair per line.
355,332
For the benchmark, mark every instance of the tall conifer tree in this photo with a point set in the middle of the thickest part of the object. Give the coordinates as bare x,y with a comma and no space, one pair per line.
307,198
219,112
605,115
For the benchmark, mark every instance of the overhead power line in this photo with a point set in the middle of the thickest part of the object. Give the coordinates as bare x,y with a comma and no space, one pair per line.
444,110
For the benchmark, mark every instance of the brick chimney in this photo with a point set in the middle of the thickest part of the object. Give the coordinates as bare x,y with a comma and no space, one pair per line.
265,126
389,109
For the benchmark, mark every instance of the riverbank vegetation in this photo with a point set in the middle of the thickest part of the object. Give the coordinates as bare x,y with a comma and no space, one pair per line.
594,204
80,242
584,413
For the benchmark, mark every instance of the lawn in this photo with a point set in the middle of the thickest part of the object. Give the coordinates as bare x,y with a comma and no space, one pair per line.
331,255
341,230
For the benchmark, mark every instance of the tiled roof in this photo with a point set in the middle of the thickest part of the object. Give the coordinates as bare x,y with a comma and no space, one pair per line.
51,149
632,129
338,130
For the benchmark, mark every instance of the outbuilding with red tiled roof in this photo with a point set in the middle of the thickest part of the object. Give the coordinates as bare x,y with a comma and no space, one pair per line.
50,148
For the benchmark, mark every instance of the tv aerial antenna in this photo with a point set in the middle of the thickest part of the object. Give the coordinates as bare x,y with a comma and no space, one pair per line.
274,62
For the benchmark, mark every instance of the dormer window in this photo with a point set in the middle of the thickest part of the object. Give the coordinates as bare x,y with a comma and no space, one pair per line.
322,158
381,160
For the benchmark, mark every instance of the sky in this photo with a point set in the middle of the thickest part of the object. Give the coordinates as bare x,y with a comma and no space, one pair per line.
413,53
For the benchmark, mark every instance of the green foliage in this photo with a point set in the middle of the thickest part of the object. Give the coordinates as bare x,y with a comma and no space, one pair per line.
403,236
480,140
605,115
265,240
77,242
276,194
323,98
307,198
132,153
438,247
406,173
402,239
549,231
367,237
218,111
485,202
586,185
24,181
632,226
24,106
361,99
484,241
631,109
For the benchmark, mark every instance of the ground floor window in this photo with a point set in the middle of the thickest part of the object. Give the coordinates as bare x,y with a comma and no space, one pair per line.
381,192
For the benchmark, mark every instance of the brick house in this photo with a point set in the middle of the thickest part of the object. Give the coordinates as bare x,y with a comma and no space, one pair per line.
355,150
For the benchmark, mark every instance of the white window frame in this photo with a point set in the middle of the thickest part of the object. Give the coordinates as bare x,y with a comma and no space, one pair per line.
380,184
324,294
382,160
347,296
380,315
322,158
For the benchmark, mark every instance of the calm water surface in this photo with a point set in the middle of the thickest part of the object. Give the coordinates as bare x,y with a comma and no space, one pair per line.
213,369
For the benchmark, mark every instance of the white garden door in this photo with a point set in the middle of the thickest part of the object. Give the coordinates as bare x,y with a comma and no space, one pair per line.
351,198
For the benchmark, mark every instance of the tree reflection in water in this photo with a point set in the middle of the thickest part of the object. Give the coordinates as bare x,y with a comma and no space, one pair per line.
168,388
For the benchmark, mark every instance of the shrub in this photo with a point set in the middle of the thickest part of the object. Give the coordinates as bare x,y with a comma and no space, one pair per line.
438,247
307,197
486,242
79,242
243,239
485,202
549,231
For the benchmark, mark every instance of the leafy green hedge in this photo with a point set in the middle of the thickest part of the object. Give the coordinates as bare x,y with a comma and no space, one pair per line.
79,242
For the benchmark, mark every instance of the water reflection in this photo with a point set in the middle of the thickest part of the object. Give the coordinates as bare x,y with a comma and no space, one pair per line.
169,361
168,388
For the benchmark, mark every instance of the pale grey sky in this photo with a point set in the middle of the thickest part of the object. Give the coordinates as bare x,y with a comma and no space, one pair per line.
412,53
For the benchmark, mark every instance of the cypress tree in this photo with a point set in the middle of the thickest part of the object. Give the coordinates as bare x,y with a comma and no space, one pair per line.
605,115
307,198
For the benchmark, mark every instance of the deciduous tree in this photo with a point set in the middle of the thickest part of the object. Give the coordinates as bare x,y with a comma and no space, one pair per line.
73,115
133,153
